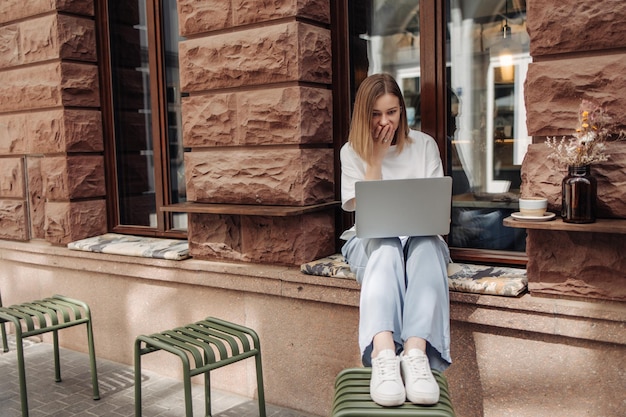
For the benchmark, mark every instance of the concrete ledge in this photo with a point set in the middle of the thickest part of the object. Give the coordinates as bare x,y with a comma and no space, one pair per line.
281,281
591,320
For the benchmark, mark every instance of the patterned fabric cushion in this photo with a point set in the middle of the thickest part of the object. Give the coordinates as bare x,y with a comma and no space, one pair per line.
147,247
332,266
480,279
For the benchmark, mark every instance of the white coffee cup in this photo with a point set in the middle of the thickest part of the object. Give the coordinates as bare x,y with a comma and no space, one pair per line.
533,206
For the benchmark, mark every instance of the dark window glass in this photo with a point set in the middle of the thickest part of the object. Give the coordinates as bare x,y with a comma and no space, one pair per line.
146,116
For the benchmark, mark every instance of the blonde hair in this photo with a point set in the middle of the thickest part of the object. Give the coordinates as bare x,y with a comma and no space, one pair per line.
370,90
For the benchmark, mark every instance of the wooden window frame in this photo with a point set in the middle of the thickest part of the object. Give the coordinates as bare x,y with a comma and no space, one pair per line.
159,125
433,104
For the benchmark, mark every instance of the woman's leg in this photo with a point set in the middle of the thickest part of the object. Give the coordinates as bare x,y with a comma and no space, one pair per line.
379,267
427,307
426,317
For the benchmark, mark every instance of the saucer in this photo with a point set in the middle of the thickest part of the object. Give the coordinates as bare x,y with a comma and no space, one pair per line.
547,216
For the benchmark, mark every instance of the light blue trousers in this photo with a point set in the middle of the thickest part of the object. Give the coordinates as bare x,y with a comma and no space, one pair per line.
404,289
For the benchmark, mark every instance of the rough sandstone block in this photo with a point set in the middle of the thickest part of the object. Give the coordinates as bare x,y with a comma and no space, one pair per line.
589,265
290,115
283,52
12,178
542,176
9,46
197,17
285,115
204,16
12,134
272,240
70,221
575,26
288,240
11,10
36,200
79,85
51,131
50,85
210,120
77,38
246,12
19,9
46,38
272,176
553,91
82,7
13,220
72,177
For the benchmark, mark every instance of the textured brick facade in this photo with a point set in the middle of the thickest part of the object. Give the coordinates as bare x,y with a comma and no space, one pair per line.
50,139
246,143
578,50
257,119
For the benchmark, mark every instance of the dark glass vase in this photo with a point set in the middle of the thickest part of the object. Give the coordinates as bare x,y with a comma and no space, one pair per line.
579,193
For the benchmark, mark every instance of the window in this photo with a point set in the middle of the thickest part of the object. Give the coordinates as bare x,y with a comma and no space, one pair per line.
143,116
461,65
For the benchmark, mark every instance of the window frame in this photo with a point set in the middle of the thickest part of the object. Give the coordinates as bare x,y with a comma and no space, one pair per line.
158,102
433,18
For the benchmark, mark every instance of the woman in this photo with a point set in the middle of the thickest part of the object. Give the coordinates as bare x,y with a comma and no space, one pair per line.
404,324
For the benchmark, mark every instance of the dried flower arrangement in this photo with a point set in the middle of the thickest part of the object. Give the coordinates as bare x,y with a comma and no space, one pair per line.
587,146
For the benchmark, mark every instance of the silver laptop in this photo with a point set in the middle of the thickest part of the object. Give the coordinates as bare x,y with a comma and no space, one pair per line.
410,207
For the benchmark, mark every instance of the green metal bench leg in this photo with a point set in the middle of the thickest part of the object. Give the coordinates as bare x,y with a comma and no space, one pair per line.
186,374
187,384
57,356
92,360
259,383
137,378
5,342
207,393
21,369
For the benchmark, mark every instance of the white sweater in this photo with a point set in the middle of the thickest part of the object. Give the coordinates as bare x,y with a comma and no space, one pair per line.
419,159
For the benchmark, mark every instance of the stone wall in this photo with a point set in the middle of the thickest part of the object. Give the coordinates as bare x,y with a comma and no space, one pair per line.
51,162
257,118
579,52
258,121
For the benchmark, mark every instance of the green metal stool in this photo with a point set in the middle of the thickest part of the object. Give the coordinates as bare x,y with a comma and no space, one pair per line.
43,316
352,398
5,342
211,343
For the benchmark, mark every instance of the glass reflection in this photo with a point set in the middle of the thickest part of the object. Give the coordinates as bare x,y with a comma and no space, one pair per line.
132,113
133,48
487,55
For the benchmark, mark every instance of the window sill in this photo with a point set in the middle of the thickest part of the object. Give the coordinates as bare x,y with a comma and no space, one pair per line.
616,226
247,209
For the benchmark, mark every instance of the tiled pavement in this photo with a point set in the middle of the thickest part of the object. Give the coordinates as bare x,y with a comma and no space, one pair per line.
162,396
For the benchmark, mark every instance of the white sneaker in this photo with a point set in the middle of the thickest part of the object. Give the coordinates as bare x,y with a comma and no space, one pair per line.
421,386
386,387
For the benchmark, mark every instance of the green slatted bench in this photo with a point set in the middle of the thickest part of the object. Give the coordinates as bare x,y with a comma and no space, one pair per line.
352,398
202,347
43,316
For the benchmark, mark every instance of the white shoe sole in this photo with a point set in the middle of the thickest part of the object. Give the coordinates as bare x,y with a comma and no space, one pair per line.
388,401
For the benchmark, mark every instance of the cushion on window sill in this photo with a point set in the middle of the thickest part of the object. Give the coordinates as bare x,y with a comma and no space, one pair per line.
146,247
479,279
